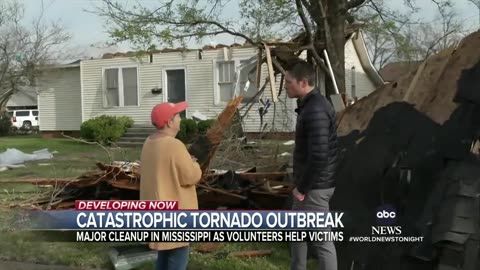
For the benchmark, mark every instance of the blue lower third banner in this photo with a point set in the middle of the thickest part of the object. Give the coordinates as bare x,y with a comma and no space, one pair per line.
186,220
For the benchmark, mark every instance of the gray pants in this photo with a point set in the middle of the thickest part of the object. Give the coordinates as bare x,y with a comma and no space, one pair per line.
324,251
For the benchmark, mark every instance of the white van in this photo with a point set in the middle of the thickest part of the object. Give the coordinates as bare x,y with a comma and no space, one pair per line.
25,119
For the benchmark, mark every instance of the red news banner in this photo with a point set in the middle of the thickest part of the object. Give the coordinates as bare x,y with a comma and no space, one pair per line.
98,205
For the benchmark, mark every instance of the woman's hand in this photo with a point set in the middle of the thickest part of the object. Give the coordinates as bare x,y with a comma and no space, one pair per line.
298,195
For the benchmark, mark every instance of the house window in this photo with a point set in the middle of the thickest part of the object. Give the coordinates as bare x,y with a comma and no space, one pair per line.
121,87
226,80
130,87
112,89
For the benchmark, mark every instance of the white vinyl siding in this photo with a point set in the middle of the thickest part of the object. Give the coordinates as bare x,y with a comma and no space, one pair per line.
357,81
129,91
201,87
149,76
59,100
282,112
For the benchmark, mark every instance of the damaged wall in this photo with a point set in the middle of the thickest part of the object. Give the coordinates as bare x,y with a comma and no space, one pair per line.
201,89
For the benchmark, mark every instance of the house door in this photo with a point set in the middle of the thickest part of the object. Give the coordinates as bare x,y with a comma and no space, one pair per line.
176,86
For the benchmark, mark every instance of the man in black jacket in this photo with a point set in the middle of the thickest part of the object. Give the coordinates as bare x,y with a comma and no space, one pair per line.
314,158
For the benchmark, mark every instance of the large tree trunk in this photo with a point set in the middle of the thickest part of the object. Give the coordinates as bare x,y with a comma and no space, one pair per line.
336,45
331,31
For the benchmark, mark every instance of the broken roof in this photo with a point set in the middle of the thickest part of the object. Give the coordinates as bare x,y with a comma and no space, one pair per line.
296,42
179,49
393,71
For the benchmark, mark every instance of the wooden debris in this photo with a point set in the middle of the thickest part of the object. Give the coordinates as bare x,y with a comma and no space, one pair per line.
204,148
126,184
65,205
238,190
259,176
271,75
279,67
258,75
244,189
208,247
222,192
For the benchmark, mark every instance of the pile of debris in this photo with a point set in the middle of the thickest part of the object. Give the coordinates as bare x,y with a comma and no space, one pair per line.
411,144
241,189
245,189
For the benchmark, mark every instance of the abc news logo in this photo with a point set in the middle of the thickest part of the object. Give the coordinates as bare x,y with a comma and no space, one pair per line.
386,217
386,214
386,230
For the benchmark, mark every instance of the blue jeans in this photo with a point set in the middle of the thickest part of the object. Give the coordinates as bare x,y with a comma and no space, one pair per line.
173,259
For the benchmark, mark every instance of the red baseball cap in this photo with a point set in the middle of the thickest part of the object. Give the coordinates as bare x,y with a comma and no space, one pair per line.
163,112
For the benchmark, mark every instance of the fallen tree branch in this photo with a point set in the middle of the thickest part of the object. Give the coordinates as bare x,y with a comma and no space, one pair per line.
91,143
311,42
430,49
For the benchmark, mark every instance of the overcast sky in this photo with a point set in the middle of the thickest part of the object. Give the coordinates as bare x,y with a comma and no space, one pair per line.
89,33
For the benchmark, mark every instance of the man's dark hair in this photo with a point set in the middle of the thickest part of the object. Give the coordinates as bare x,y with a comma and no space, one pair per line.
302,70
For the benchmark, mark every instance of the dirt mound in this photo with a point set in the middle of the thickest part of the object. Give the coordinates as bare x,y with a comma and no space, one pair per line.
396,146
431,88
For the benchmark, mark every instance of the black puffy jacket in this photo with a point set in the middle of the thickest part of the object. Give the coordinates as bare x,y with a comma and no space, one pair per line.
315,156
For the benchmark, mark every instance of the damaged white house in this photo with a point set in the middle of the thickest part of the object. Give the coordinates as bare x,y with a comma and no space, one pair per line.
123,84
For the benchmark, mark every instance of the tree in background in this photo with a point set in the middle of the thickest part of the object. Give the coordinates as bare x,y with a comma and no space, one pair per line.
477,4
176,22
24,48
384,39
393,36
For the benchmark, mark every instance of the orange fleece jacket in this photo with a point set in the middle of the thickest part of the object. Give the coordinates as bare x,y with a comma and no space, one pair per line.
168,173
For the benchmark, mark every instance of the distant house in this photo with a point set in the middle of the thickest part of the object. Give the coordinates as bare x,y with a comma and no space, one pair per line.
391,72
122,84
24,98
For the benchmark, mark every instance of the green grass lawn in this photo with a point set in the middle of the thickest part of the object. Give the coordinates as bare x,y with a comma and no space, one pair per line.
27,247
74,158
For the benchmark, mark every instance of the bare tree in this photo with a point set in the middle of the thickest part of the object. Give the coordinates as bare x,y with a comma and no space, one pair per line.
429,38
324,23
178,21
24,48
477,4
394,36
385,41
